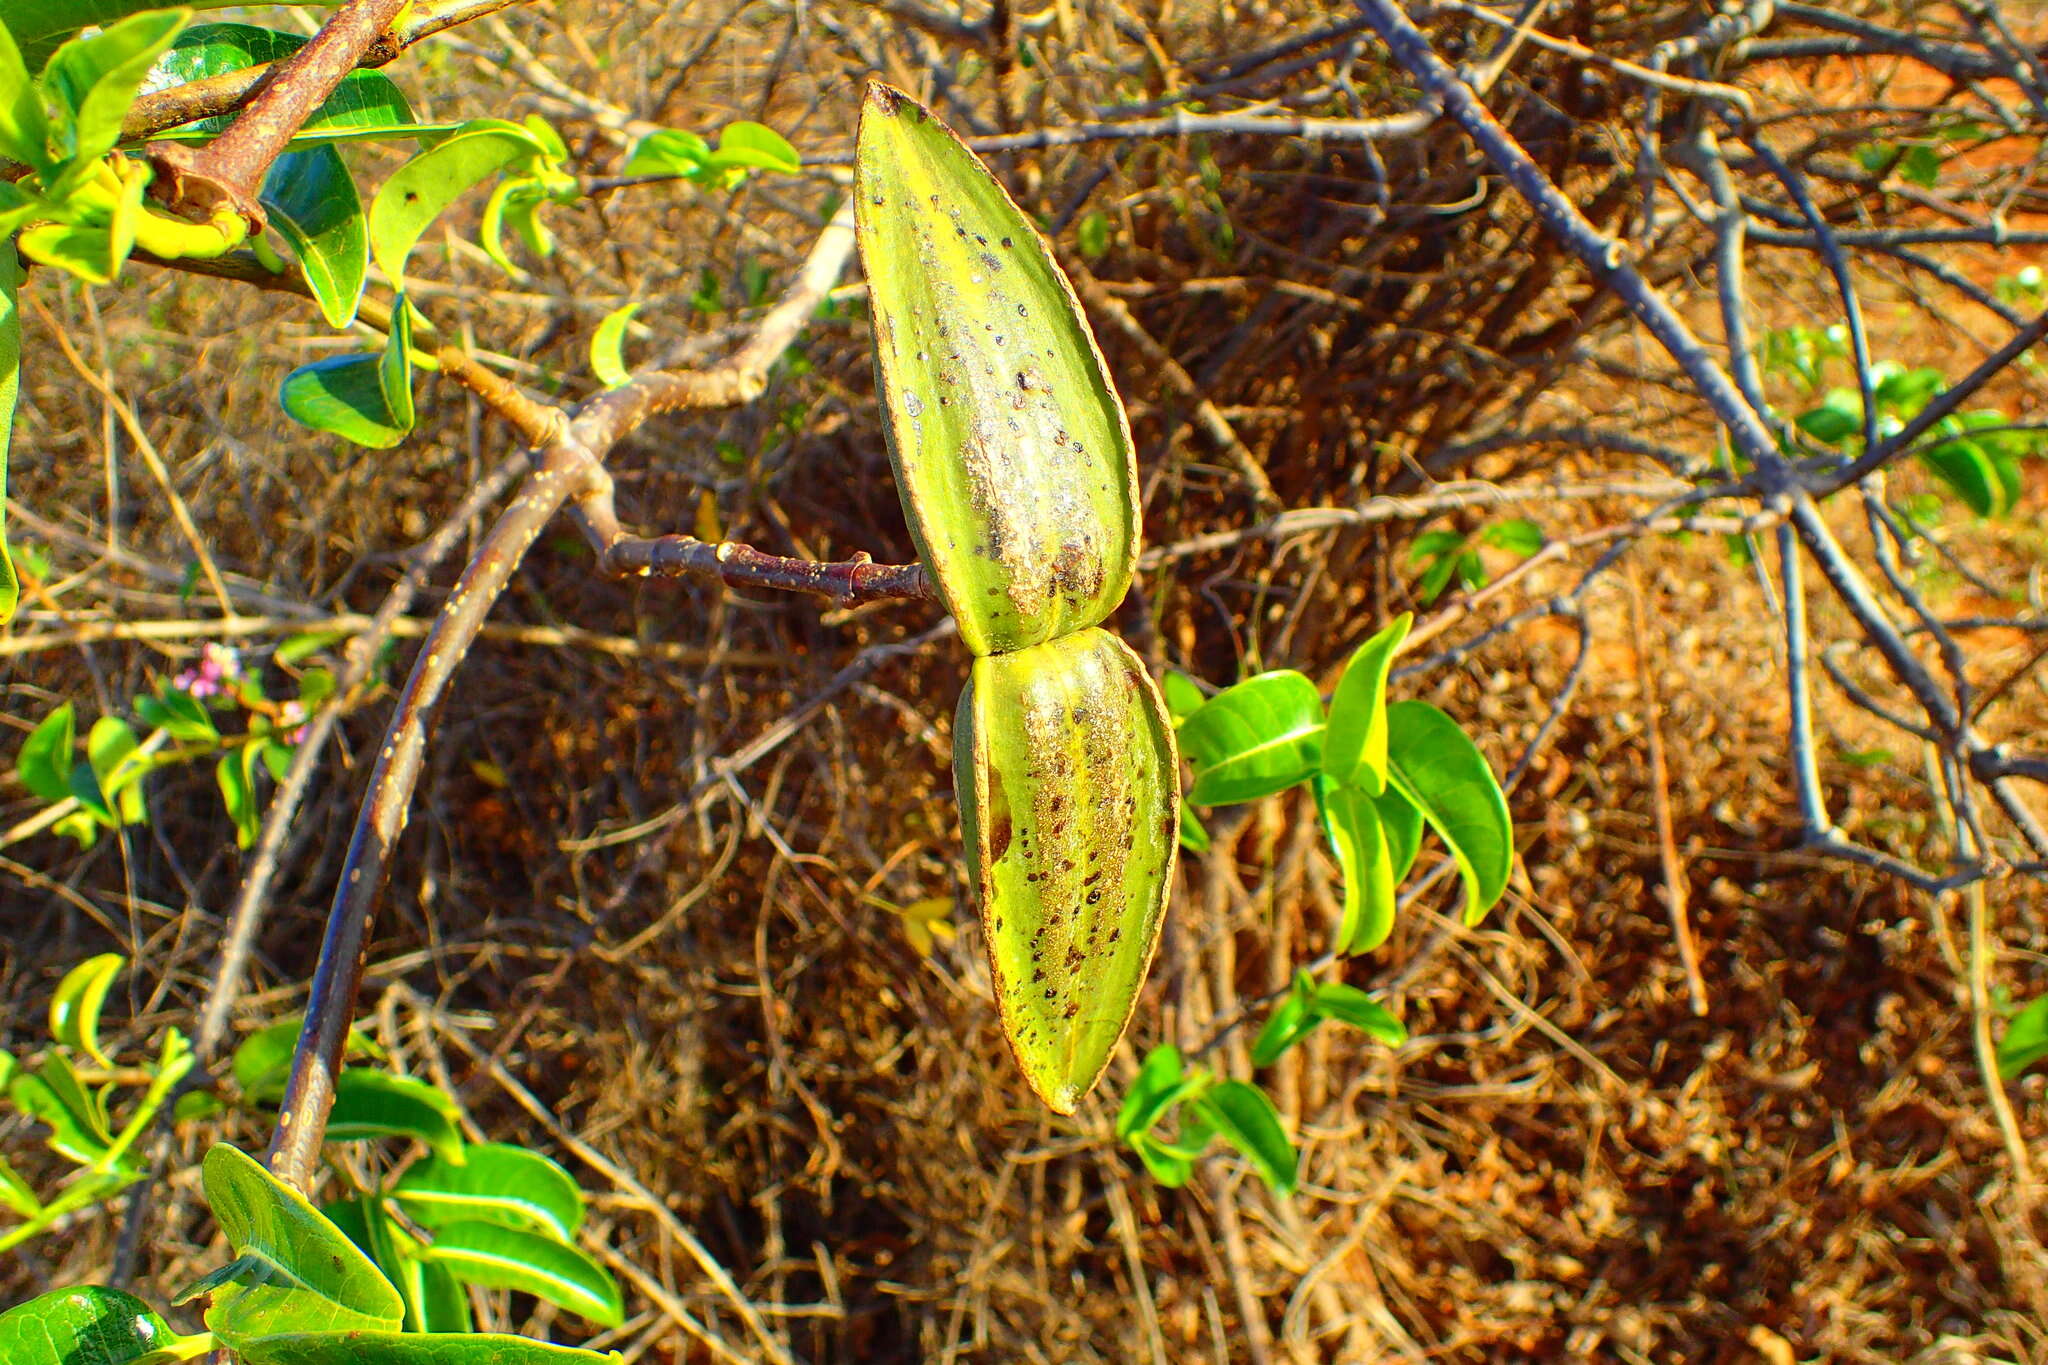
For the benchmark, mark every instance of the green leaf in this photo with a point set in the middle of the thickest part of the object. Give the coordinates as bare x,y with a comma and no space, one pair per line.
178,714
1158,1085
1350,1005
365,102
264,1058
417,192
499,1257
302,647
1261,736
10,384
87,1325
1905,391
52,1093
754,146
2025,1041
494,1184
412,1348
377,1104
75,1008
1401,823
607,345
44,763
236,777
1183,695
1439,769
96,78
1168,1166
1012,454
1092,234
668,151
24,127
1921,165
1245,1118
110,752
313,204
294,1270
394,368
1289,1023
1351,822
1839,417
1965,467
15,1193
1063,760
434,1302
1519,536
1355,744
366,397
1194,836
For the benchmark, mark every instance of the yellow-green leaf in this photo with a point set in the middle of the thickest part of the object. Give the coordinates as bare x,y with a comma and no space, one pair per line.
75,1008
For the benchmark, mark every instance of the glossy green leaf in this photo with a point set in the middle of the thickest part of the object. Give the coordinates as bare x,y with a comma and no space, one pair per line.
607,347
1351,822
96,78
1158,1085
1839,417
1966,467
1012,455
417,192
15,1194
294,1271
412,1348
110,750
668,151
394,367
377,1104
1291,1021
75,1008
2025,1041
235,775
1440,770
499,1257
1183,695
1401,824
1063,759
44,763
754,146
434,1301
495,1184
1194,835
1355,745
10,386
262,1060
179,714
364,102
1261,736
313,205
1518,536
93,252
1245,1118
366,398
76,1119
88,1325
1350,1005
24,127
1167,1165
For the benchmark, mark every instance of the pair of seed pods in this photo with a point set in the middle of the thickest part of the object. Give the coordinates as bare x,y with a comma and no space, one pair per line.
1014,461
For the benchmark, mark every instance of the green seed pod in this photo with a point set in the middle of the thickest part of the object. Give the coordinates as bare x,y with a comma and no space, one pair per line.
1064,761
1011,449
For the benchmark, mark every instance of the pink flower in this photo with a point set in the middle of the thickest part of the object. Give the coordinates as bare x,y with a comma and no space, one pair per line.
292,714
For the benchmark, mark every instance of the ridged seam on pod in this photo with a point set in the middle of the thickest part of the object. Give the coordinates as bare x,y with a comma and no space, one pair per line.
1012,453
1063,757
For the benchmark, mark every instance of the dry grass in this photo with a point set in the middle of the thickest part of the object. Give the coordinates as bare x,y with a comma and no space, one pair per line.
695,981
